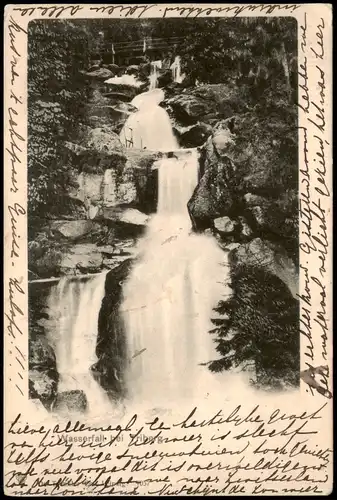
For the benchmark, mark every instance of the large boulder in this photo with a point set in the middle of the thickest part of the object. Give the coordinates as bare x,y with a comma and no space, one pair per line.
212,197
102,140
111,339
208,103
74,401
99,74
41,354
195,136
116,180
43,374
133,69
227,98
43,387
269,256
74,230
112,114
114,68
223,139
81,258
128,215
189,109
272,216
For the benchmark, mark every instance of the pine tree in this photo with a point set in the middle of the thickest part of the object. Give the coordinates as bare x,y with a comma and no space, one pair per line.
257,327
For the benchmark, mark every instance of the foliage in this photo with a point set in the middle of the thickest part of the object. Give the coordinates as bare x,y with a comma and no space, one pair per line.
45,256
258,326
259,51
57,53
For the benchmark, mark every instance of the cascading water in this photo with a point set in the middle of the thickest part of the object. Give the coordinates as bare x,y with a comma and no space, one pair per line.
155,65
169,296
150,126
75,306
177,75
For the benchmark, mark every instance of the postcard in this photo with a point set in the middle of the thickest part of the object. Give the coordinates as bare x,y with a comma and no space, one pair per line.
168,249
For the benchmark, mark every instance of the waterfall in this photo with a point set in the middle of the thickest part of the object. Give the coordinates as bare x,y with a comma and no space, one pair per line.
150,126
176,70
75,306
169,296
155,65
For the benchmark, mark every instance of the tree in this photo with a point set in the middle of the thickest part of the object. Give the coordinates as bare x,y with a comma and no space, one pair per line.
256,50
257,328
58,51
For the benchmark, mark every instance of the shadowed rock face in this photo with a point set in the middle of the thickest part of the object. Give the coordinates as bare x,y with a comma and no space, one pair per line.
212,197
269,256
43,375
111,347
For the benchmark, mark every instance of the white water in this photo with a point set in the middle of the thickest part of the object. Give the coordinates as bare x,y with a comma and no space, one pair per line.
129,80
169,297
155,65
150,126
177,75
75,305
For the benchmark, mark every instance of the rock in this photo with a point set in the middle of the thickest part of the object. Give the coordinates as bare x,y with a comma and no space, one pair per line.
114,68
269,256
83,258
275,217
232,246
110,115
212,197
41,354
258,214
128,216
121,92
206,103
246,230
43,387
189,109
132,70
111,339
102,141
70,402
95,212
228,99
109,373
73,230
114,180
224,225
195,136
95,67
99,74
222,139
253,200
45,256
165,78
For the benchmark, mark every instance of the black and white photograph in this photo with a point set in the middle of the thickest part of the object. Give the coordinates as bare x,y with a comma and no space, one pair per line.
168,250
163,252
